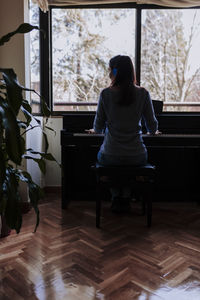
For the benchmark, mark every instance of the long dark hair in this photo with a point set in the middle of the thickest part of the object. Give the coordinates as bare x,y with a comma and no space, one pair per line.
122,68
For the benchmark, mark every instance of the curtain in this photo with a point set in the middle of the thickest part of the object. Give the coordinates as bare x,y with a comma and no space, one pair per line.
43,4
171,3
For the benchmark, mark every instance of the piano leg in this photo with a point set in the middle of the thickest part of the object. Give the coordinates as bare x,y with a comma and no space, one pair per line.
65,200
98,208
65,181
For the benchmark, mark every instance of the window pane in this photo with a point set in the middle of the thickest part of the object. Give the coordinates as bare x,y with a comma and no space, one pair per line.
34,58
170,65
83,41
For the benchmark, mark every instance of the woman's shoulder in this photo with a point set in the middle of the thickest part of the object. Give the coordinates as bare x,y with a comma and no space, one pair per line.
140,89
109,91
105,90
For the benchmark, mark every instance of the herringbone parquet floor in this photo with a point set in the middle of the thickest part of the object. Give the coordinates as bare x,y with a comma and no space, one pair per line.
68,258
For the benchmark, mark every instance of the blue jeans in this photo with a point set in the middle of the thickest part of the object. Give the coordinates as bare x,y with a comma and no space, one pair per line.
112,160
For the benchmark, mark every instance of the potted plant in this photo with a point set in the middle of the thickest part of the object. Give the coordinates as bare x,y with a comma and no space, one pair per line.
15,120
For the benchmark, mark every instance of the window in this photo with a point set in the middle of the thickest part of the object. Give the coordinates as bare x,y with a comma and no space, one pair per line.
34,57
164,44
170,68
83,41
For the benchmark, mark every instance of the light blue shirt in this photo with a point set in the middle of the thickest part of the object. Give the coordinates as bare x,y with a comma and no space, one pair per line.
122,123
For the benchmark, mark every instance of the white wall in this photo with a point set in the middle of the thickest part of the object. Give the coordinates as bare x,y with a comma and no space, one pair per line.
12,55
34,140
53,174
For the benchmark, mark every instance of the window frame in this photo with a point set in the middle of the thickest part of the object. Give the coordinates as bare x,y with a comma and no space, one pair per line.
46,49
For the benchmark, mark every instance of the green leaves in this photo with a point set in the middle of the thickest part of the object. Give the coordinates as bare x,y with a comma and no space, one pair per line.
11,194
44,108
2,170
23,28
12,143
14,146
15,96
40,161
14,90
35,193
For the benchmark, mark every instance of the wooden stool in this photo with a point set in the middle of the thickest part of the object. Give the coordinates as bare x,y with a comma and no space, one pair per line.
138,178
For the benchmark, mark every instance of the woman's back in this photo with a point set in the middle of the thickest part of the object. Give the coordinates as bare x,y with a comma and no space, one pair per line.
123,122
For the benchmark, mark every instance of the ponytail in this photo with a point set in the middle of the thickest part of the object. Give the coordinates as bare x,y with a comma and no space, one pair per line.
122,68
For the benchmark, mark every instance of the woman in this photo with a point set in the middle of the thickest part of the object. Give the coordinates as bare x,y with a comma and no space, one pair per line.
120,110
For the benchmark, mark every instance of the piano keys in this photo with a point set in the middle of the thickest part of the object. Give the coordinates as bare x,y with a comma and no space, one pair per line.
165,140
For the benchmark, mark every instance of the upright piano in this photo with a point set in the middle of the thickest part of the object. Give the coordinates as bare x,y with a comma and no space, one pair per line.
176,154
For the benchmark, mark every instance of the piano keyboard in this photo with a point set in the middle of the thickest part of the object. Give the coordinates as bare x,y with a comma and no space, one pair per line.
88,134
163,135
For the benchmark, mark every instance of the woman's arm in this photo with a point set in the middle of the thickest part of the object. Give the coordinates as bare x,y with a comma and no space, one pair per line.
100,117
149,115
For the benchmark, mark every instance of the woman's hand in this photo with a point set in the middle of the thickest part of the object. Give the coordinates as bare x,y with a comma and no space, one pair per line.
155,133
90,131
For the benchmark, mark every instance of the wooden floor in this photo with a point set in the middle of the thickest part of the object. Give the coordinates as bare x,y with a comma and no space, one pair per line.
68,258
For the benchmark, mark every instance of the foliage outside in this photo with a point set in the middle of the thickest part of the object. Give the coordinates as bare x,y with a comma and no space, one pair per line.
83,41
169,71
15,120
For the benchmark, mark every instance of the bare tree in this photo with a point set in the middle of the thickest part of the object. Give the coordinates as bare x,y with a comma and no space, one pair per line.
165,55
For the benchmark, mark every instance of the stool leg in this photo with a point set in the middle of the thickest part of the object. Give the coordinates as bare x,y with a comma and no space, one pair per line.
98,208
143,212
149,204
149,211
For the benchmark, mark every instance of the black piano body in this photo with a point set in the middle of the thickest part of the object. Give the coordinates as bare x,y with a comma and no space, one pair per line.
176,154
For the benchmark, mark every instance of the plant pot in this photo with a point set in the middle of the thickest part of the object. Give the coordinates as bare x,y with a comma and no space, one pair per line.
4,229
25,207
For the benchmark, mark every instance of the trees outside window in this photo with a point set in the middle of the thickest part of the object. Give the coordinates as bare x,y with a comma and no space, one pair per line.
170,68
83,41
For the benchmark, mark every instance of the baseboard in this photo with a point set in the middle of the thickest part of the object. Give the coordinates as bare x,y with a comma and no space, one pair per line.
52,189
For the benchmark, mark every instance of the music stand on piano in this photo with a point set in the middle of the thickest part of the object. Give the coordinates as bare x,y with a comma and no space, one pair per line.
158,106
